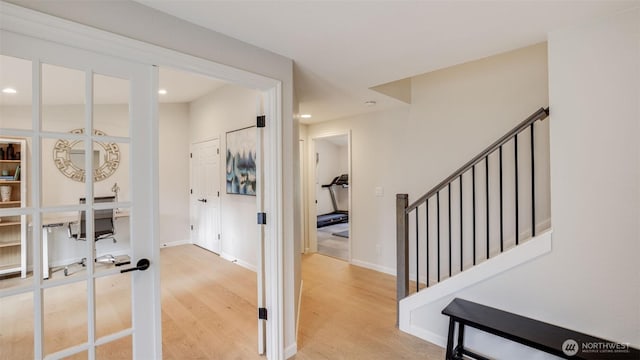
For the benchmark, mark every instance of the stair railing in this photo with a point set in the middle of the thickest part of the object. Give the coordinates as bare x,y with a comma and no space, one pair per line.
407,213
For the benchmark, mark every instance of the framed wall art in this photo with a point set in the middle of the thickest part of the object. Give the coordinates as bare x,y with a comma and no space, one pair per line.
241,161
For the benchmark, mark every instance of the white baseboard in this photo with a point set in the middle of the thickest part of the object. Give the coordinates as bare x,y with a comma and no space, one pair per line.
290,350
175,243
240,262
372,266
427,335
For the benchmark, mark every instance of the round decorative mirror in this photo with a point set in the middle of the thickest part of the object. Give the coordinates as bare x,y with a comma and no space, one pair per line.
69,157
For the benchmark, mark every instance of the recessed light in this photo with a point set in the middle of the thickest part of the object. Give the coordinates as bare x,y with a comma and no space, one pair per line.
306,116
9,90
370,103
162,91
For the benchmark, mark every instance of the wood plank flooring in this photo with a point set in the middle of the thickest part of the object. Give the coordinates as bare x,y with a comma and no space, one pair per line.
208,306
349,312
209,312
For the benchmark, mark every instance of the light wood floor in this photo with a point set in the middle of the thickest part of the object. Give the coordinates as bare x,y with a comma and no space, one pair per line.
349,312
209,306
209,312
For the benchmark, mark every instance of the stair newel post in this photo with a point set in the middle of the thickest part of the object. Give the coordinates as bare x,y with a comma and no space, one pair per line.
402,249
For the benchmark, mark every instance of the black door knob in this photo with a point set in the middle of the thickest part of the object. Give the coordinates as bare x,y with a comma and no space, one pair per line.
142,265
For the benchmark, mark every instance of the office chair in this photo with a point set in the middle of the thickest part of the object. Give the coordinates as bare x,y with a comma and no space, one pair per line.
103,228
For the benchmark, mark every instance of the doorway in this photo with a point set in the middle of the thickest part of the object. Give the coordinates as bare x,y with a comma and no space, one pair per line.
332,194
209,198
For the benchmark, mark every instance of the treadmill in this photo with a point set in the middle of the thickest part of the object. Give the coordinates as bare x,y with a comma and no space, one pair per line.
337,216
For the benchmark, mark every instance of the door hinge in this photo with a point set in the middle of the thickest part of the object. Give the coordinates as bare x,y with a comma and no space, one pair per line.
262,218
218,193
191,191
261,121
191,155
262,313
191,227
218,236
218,151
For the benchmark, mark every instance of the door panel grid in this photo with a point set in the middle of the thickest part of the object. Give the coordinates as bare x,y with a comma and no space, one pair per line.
52,311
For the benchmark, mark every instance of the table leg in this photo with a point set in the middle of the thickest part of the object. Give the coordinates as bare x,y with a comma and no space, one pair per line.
449,353
458,349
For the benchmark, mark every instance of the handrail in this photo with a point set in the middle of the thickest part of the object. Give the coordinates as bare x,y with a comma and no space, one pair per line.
540,114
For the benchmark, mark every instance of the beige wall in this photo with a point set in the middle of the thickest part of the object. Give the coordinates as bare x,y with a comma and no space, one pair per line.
590,280
455,113
174,169
174,173
212,116
58,189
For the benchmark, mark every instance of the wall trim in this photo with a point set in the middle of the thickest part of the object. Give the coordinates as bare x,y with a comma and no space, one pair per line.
375,267
176,243
237,261
517,256
525,236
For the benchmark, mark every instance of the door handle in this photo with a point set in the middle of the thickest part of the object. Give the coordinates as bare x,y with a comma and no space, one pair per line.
142,265
202,200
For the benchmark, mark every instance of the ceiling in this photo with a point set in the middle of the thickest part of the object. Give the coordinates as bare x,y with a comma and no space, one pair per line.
343,48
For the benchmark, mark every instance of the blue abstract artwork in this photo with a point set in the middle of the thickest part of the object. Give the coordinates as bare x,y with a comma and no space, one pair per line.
241,161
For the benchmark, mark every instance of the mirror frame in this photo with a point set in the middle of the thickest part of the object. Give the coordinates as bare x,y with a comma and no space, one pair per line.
62,158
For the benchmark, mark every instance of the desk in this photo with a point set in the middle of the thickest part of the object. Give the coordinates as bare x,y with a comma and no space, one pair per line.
49,223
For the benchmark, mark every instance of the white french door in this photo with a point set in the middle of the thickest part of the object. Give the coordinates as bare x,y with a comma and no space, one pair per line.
69,103
205,194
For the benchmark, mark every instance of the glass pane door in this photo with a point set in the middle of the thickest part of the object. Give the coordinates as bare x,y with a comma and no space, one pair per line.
76,155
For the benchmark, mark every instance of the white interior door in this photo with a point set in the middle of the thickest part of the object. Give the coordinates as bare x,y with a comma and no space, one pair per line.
205,197
68,101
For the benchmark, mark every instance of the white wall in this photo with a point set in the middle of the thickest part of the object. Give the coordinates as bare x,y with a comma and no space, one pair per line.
590,281
595,164
212,116
455,113
174,173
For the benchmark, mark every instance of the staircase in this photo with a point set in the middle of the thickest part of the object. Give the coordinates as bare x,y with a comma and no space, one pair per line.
485,218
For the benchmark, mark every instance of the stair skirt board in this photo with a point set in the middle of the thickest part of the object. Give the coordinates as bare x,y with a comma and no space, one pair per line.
525,236
523,253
